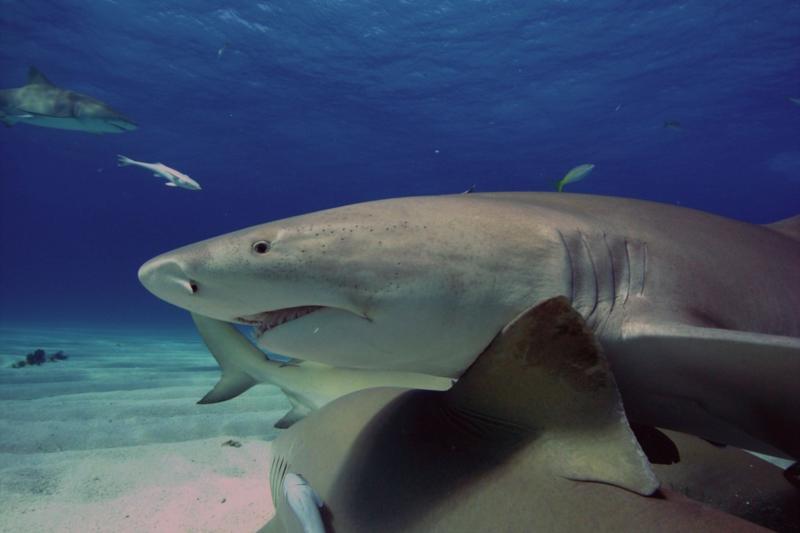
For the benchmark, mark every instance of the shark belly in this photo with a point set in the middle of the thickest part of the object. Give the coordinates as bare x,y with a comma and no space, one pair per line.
67,123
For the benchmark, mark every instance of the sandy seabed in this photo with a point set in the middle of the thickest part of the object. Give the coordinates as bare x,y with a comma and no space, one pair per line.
112,438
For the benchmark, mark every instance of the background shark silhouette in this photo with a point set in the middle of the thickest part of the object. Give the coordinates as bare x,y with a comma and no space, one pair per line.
40,103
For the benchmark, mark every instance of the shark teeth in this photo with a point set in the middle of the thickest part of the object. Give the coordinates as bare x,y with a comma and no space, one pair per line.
268,320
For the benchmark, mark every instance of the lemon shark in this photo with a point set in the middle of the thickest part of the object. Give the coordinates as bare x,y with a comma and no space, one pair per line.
41,103
533,437
697,313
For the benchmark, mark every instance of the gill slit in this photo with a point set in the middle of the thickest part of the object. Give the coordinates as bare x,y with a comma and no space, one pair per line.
628,263
644,268
613,276
571,268
594,274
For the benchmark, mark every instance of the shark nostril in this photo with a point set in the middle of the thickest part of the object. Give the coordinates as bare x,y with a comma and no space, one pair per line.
167,278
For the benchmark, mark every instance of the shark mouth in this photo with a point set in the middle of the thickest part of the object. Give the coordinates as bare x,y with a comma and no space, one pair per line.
268,320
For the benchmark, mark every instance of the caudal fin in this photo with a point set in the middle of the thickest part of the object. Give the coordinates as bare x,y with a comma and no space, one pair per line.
123,161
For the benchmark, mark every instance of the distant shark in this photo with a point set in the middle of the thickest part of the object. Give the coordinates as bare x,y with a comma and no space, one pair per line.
40,103
698,314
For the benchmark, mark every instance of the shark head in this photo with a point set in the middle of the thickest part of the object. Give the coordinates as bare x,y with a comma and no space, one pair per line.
99,117
185,182
404,284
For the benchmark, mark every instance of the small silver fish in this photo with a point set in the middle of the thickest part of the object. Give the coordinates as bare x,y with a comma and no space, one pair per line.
174,178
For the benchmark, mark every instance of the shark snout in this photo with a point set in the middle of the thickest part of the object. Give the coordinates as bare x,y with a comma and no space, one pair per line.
167,278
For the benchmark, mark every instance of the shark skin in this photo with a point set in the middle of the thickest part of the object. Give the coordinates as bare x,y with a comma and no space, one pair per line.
40,103
532,438
696,312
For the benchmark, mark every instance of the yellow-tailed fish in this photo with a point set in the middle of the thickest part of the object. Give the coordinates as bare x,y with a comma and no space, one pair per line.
576,174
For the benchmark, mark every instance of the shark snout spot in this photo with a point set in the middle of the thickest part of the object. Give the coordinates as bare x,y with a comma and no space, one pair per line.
189,285
167,279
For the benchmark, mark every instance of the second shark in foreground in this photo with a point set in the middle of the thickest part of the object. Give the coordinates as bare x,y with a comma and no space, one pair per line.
533,437
697,313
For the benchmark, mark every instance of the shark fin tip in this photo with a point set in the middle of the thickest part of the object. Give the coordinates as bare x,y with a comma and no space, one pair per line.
35,77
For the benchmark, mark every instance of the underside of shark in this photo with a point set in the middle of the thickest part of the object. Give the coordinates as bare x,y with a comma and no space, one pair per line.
308,386
41,103
697,313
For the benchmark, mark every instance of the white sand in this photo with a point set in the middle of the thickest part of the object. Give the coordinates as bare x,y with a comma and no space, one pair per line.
112,439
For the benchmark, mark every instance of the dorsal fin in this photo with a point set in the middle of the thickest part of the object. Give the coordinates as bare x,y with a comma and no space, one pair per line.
788,226
35,77
545,372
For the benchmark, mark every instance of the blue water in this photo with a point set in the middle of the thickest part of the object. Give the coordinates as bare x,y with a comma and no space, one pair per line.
313,104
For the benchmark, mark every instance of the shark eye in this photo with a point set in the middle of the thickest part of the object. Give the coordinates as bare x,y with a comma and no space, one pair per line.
261,247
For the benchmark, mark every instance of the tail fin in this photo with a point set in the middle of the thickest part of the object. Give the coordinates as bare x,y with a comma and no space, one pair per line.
123,161
560,185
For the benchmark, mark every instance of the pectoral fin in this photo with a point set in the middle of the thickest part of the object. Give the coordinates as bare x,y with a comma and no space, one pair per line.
230,385
233,353
745,382
11,119
546,372
169,183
